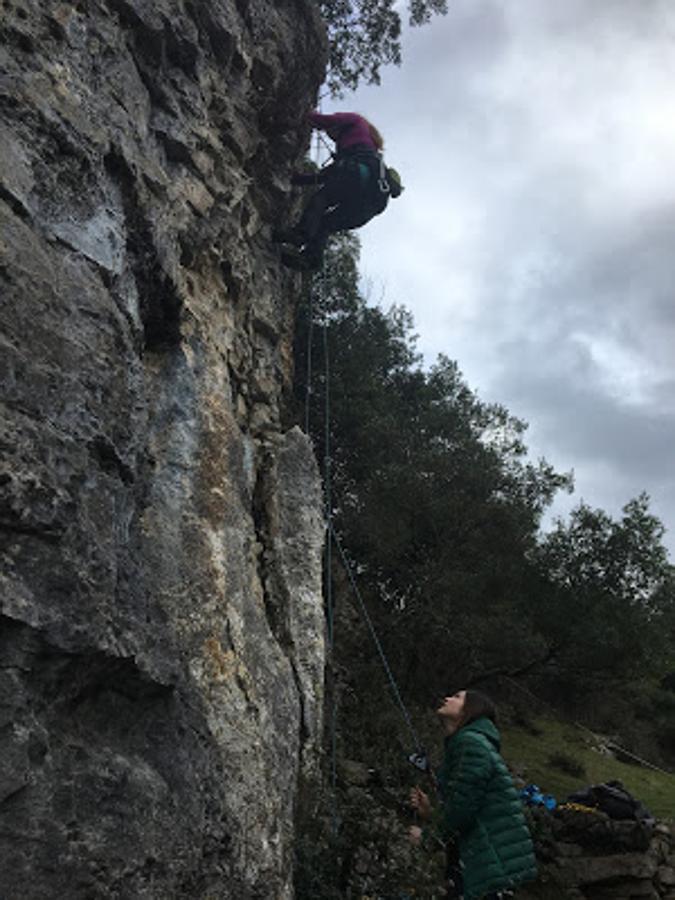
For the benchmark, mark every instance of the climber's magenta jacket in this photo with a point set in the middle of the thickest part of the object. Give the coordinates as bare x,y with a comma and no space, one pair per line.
483,812
351,129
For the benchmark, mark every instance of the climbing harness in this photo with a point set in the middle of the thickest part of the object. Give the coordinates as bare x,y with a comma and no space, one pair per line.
388,179
373,162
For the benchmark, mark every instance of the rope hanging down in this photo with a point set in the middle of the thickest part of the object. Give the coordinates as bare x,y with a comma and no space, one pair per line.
378,645
328,585
330,609
418,758
328,484
310,341
310,328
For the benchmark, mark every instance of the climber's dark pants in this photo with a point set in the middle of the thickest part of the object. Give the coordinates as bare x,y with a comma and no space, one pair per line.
338,206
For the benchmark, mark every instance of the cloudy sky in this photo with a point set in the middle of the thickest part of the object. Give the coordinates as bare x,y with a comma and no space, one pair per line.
535,242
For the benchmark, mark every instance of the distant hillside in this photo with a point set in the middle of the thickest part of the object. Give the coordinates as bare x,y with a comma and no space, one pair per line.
531,752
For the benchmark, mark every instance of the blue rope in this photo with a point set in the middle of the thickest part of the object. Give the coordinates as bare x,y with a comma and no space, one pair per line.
330,608
308,390
328,489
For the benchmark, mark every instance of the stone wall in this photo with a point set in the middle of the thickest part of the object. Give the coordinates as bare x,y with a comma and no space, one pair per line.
582,855
161,625
587,856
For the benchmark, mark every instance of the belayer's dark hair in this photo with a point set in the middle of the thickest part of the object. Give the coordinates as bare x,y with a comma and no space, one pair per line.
477,705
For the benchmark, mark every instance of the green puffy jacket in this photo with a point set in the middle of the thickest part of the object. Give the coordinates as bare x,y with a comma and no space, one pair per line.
483,812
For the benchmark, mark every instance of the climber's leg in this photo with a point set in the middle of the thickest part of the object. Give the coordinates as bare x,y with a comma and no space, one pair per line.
338,206
341,186
310,220
344,216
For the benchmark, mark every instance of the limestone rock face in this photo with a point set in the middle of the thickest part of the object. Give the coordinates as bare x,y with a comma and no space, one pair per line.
161,625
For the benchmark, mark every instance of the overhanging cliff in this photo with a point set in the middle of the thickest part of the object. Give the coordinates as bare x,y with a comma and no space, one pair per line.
161,625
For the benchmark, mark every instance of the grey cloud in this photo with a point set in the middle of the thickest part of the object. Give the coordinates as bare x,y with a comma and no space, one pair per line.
574,415
527,244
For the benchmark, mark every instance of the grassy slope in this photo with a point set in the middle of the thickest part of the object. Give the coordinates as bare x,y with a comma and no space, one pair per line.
530,753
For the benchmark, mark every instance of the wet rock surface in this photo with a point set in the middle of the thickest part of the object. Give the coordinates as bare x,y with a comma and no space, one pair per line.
161,626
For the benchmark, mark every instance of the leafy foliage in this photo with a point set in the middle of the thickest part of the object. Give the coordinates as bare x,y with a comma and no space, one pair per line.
608,597
440,509
431,487
567,763
365,35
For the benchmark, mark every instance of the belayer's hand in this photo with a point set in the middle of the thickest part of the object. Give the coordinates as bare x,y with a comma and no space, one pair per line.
420,802
415,835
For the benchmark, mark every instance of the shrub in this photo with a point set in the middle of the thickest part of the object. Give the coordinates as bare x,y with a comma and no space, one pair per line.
567,764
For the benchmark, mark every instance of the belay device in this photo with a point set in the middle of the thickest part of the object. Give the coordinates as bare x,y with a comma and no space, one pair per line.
420,760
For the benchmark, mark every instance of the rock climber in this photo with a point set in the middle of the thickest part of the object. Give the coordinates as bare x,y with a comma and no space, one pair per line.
355,187
480,811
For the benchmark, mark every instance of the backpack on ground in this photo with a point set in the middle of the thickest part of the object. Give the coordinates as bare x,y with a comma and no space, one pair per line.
612,798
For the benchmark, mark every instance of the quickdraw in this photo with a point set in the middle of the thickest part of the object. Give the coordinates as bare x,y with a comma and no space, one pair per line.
383,181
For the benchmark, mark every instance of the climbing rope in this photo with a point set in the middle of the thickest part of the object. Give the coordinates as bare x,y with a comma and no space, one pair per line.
418,758
322,141
310,341
328,480
378,644
328,508
328,580
310,336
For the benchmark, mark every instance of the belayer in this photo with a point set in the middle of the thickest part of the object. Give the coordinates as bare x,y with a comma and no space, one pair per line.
481,813
355,187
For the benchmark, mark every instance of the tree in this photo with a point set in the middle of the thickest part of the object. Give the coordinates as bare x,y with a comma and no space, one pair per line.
606,597
364,35
439,510
431,489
